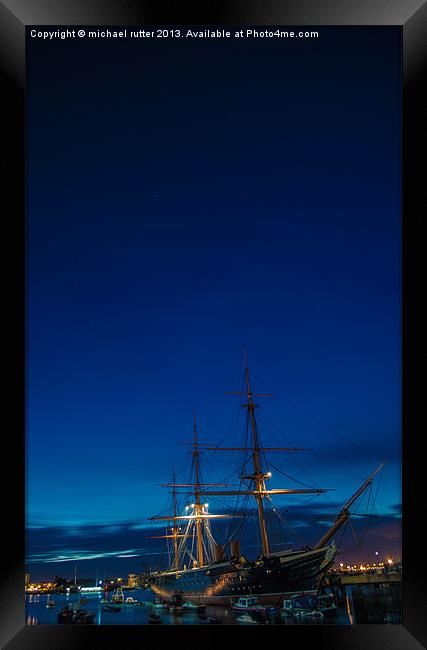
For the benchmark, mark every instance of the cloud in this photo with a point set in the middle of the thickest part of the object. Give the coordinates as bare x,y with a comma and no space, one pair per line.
84,554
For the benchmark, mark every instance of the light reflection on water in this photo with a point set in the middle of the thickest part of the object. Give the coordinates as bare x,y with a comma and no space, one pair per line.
370,605
349,609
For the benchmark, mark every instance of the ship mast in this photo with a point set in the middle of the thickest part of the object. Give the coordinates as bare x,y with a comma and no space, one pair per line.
345,514
175,529
199,515
198,508
259,476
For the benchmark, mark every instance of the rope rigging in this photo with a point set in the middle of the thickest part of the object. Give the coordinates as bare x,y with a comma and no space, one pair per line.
251,478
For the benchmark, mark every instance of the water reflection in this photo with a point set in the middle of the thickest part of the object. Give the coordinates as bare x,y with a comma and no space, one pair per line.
349,608
355,604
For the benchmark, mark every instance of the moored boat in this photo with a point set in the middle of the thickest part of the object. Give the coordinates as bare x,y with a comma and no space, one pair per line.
249,604
193,607
82,616
118,597
247,618
310,605
70,615
327,605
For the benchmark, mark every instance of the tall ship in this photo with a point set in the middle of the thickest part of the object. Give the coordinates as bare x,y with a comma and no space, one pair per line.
204,571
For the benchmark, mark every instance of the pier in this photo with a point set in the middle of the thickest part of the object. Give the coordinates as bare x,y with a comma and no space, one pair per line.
370,578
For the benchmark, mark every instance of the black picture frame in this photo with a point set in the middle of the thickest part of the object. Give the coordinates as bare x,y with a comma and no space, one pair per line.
15,15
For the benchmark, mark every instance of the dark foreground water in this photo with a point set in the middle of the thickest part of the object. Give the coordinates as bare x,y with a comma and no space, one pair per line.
356,604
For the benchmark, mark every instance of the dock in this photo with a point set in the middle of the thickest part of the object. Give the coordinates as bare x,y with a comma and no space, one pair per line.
370,578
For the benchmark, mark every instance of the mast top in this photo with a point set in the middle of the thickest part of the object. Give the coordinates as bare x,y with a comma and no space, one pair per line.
249,394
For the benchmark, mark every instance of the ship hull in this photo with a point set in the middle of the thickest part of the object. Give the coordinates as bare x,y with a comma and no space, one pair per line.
271,578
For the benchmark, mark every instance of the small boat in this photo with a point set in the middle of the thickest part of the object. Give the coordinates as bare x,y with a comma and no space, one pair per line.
299,603
247,618
82,616
76,616
131,601
192,607
154,619
118,597
189,605
327,605
248,604
310,605
50,602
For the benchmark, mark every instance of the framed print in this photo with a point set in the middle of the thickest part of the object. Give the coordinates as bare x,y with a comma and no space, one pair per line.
214,300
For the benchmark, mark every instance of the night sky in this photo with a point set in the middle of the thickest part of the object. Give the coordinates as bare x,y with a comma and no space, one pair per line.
186,200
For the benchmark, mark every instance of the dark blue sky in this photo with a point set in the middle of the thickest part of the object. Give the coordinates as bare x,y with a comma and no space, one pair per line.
187,199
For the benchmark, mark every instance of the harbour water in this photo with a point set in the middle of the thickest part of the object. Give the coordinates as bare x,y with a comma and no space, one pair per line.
356,604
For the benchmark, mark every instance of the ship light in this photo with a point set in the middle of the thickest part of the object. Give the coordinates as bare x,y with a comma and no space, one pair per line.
269,474
192,505
206,505
390,561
